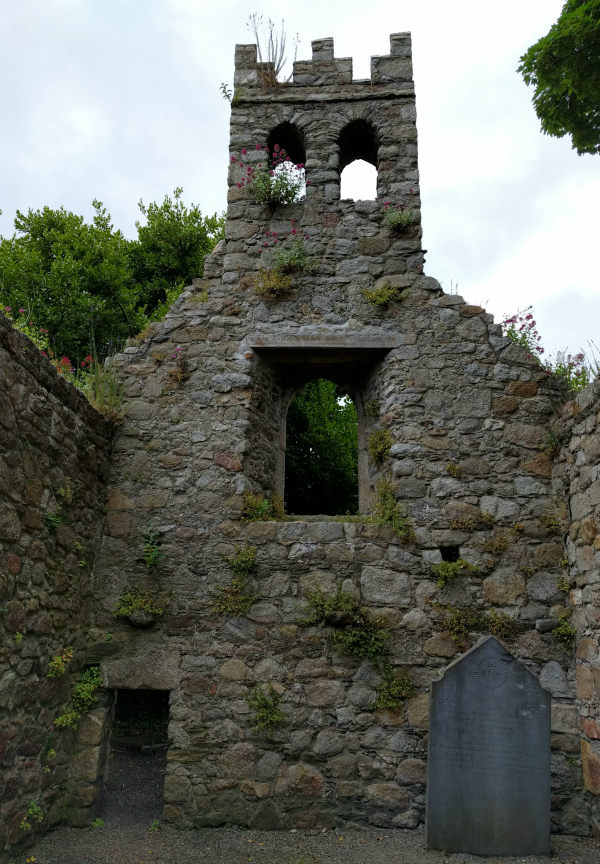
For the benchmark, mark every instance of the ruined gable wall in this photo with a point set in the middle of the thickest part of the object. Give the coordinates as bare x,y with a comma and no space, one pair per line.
50,439
201,430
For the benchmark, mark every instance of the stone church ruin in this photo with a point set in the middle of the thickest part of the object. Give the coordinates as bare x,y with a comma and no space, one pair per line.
478,490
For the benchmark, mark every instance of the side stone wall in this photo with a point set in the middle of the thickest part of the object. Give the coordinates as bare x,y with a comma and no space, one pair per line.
576,479
54,459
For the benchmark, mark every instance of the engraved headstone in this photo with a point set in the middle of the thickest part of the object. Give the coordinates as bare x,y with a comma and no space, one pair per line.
488,787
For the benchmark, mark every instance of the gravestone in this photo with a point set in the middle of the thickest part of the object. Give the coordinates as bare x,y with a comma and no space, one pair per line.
488,788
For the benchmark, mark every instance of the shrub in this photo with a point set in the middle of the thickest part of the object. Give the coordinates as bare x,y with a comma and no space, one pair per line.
383,295
379,445
97,823
271,284
266,707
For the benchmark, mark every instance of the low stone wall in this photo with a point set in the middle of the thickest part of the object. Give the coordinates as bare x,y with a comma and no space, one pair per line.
54,461
576,481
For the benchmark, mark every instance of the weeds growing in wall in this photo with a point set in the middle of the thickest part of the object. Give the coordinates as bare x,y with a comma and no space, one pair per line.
234,600
82,698
384,294
360,635
445,571
379,445
460,622
257,508
267,714
140,601
564,632
388,511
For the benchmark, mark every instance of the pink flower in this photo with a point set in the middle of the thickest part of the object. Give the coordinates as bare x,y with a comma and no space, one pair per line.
244,152
21,310
258,147
233,159
276,148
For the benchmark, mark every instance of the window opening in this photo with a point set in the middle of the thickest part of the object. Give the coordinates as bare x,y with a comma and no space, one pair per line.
136,768
287,137
358,142
321,462
450,553
358,181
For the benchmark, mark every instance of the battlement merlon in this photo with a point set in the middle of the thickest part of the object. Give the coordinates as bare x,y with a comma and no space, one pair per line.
326,69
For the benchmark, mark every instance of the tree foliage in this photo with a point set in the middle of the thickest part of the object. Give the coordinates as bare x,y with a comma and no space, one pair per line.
564,68
322,452
87,284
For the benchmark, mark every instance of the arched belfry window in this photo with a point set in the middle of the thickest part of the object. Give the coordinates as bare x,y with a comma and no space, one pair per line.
291,139
358,145
321,461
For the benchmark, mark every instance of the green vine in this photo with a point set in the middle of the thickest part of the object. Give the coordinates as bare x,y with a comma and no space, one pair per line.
266,707
445,571
82,698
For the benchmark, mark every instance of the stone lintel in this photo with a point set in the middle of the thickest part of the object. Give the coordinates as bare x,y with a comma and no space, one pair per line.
324,341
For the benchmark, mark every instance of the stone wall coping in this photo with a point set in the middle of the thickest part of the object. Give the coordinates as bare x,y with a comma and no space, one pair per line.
357,91
31,359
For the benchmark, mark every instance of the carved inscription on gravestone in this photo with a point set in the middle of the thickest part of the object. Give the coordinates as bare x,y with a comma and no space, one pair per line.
488,788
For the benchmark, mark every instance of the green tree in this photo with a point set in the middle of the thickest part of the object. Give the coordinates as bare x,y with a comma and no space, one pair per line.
90,286
564,68
171,248
321,474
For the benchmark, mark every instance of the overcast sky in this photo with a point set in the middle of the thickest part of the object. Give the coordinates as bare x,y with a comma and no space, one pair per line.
119,100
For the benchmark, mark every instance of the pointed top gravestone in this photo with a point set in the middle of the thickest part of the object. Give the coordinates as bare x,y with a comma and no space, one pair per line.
488,789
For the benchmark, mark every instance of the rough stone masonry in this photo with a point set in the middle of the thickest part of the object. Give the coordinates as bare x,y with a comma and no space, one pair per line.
206,393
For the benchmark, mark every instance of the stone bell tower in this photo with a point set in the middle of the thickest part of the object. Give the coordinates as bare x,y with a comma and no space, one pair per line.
324,326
